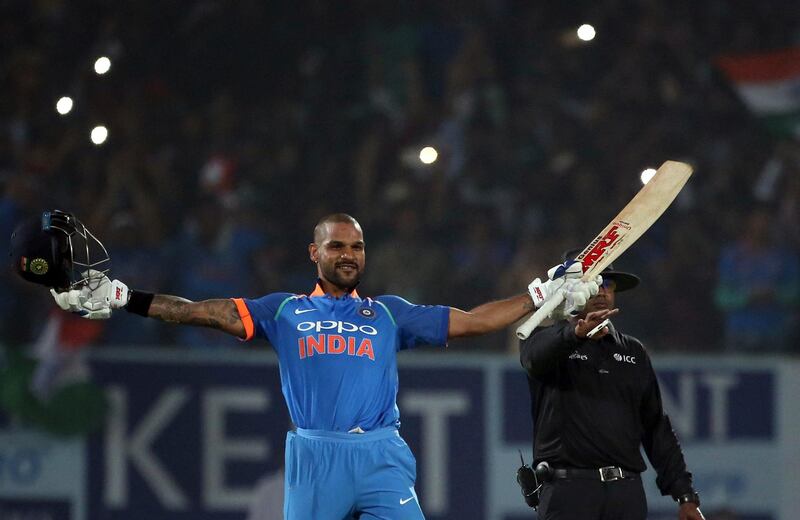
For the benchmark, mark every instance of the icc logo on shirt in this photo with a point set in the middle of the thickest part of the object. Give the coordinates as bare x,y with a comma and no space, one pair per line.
626,359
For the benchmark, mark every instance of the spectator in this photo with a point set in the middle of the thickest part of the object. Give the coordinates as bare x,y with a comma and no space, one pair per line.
758,288
535,130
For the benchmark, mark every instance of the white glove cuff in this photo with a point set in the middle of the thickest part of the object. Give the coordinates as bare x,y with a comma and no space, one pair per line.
118,295
542,291
538,292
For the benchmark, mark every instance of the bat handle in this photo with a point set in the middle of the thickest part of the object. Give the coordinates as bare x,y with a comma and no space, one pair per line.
541,313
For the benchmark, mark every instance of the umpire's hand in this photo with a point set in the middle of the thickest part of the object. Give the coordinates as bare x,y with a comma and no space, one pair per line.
592,320
690,511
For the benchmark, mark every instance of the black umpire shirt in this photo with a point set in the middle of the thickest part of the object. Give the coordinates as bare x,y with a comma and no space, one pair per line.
595,402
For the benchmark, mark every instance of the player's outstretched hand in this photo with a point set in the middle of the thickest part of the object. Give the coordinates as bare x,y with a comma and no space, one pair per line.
557,276
577,293
96,299
565,278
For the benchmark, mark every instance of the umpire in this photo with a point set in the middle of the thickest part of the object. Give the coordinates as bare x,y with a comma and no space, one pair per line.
595,400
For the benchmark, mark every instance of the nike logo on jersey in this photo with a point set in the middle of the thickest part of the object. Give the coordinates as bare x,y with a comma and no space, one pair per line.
303,311
409,499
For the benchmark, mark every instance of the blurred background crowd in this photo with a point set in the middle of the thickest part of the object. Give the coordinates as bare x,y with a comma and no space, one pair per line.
234,126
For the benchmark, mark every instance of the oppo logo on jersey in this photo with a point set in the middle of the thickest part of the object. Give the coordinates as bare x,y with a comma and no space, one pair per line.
338,326
336,344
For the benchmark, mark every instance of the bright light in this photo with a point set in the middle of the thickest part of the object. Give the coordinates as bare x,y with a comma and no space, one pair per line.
647,175
64,105
586,32
99,134
428,155
102,65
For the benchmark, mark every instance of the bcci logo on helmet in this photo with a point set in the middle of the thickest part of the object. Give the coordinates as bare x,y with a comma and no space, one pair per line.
39,266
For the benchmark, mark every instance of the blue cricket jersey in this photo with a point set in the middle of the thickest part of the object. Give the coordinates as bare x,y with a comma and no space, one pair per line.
337,356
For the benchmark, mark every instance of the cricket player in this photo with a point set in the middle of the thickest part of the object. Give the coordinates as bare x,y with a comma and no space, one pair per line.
337,357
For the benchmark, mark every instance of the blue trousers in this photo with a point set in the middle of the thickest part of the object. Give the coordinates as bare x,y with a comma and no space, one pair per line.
339,476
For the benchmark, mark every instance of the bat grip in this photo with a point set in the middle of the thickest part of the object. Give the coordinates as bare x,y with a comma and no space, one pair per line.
541,313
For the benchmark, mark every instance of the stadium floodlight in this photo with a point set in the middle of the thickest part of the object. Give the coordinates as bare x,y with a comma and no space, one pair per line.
99,134
428,155
586,32
102,65
64,105
647,174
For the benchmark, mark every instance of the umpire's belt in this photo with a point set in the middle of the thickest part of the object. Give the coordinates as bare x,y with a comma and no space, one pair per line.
605,474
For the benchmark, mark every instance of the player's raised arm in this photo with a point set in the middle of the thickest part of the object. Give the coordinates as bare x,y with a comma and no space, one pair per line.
216,314
499,314
489,317
56,249
102,296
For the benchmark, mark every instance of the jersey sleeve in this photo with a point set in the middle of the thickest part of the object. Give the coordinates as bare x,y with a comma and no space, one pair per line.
417,324
258,315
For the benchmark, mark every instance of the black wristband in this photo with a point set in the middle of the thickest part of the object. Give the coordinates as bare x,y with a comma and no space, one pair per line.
139,302
689,497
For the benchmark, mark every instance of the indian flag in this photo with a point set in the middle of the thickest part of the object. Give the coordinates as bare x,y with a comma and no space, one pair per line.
769,84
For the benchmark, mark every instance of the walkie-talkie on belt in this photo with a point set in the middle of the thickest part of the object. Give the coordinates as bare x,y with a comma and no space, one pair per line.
531,480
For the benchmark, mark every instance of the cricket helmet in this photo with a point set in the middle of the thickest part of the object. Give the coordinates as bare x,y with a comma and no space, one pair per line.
55,249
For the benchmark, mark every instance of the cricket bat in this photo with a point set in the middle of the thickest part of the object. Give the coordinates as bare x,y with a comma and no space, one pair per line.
626,228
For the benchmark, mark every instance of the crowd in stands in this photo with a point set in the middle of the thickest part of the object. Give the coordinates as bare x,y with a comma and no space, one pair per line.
234,126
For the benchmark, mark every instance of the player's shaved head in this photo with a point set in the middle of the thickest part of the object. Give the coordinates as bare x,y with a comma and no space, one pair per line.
338,251
321,229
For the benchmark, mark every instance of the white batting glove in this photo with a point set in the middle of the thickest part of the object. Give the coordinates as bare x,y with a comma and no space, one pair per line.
576,294
96,300
557,276
79,301
110,293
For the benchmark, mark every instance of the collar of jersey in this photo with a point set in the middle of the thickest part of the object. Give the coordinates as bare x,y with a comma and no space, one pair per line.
318,292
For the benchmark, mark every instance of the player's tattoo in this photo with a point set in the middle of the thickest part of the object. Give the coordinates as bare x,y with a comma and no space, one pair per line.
528,305
217,314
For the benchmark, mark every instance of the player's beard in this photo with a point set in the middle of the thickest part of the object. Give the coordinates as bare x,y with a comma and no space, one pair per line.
345,280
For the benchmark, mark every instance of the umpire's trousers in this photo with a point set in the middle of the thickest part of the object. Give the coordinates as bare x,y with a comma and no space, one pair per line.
585,499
